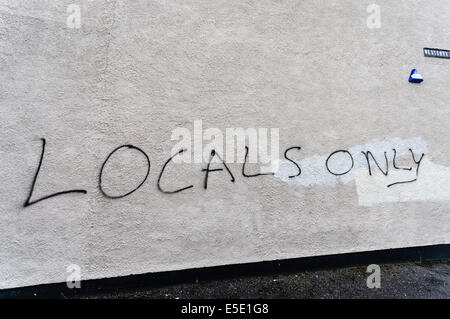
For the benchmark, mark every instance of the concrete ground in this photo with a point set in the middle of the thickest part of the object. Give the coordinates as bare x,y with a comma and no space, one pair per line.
403,280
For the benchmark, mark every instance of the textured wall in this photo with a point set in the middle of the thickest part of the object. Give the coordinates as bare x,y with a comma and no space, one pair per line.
137,70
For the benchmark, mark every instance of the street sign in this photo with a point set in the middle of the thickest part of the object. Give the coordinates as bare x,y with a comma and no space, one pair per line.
436,53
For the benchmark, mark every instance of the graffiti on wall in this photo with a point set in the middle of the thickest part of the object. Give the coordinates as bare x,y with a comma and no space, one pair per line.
337,164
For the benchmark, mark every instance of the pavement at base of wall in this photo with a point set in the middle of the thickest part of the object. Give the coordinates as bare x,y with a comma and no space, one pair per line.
402,280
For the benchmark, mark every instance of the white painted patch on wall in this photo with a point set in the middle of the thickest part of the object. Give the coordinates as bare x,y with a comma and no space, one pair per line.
314,171
433,184
416,179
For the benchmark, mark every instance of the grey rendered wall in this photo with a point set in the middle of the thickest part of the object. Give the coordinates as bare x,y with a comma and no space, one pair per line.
137,70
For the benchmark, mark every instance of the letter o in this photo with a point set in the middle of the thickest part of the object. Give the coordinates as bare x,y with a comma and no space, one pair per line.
339,151
106,160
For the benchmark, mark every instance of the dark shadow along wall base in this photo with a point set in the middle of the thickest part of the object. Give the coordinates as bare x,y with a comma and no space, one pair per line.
60,290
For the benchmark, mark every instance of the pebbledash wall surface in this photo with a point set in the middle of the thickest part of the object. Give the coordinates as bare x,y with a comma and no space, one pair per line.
329,75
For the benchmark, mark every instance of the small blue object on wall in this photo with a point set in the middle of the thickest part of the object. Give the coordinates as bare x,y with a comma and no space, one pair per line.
415,76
